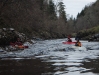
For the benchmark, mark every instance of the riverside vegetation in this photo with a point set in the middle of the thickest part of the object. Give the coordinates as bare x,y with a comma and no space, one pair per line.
38,18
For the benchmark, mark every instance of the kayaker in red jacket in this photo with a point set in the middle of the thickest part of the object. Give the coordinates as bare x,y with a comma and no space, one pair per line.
69,39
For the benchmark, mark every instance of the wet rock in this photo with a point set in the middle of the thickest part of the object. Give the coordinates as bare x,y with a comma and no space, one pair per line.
8,35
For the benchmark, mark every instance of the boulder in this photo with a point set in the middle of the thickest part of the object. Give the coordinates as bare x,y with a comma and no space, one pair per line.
8,35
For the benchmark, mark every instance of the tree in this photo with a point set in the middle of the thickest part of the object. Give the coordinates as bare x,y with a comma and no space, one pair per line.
61,11
51,10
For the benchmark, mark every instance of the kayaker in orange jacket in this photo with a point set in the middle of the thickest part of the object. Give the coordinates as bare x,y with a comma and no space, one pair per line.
78,43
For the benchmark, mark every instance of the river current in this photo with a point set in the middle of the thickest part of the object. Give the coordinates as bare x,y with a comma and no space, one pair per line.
51,57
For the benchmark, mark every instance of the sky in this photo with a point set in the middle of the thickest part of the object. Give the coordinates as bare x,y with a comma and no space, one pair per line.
73,7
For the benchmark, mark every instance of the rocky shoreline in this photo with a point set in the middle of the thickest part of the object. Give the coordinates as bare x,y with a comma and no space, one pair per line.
8,35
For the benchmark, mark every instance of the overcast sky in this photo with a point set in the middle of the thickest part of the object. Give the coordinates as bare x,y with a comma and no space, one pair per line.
75,6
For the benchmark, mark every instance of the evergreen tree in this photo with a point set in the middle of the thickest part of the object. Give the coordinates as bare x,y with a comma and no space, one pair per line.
51,9
62,14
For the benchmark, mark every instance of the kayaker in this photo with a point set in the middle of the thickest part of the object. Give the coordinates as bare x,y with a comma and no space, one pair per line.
69,39
18,42
78,43
78,37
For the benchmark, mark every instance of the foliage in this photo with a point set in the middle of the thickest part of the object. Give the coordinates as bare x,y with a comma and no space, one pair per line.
89,32
40,18
86,19
62,14
33,17
94,29
2,23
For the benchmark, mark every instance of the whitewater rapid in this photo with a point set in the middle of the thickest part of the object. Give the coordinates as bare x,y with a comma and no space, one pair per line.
47,47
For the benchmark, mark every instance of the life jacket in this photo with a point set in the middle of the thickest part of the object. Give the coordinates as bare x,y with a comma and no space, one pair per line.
78,44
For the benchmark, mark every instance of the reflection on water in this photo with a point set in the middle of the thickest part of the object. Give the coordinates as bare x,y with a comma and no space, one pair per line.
92,64
24,67
21,66
73,62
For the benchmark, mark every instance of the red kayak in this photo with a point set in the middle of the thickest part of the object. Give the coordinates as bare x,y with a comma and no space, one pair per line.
68,42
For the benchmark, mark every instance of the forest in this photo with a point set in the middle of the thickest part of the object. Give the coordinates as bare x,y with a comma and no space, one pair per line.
46,18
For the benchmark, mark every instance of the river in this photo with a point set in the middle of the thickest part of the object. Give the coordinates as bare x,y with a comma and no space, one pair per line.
51,57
